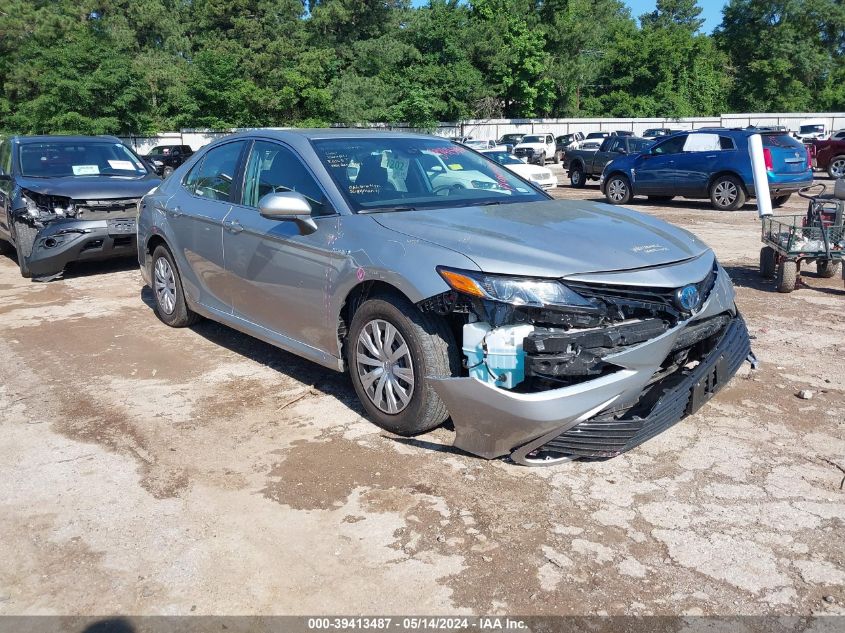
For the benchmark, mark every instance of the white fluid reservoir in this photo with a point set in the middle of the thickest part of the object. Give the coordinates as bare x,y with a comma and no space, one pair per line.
496,355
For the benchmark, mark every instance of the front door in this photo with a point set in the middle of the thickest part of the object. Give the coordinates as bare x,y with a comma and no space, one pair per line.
278,276
656,169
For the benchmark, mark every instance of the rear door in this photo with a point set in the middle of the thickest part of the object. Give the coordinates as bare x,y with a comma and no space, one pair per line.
699,159
5,186
655,170
195,216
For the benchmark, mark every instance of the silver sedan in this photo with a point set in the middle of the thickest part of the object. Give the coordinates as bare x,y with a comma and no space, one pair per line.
447,286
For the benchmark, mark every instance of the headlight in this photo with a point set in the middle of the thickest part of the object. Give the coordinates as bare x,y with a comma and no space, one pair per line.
521,291
32,207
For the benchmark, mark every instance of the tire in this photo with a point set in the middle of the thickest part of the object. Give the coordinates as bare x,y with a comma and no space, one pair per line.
171,307
779,201
617,190
726,193
828,268
557,158
166,171
431,351
660,198
787,275
577,177
836,168
542,162
768,262
6,248
24,239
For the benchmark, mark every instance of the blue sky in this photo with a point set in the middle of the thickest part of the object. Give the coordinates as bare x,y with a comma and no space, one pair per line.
712,11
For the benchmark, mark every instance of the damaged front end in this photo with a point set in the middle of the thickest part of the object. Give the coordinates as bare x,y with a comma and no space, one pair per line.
53,231
586,367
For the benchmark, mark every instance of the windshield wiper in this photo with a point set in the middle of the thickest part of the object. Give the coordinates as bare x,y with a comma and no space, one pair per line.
387,209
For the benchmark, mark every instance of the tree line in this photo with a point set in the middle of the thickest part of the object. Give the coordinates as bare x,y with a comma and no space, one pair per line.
143,66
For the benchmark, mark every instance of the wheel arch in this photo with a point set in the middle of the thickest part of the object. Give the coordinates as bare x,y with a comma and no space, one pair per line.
353,299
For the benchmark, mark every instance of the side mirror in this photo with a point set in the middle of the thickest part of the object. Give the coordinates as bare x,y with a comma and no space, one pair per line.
288,205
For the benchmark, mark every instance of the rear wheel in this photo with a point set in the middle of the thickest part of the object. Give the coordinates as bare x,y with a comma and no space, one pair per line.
836,169
618,190
167,288
828,268
391,350
24,240
727,194
768,262
787,275
779,201
577,178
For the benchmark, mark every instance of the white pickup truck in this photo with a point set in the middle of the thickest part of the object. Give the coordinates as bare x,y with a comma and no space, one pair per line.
538,148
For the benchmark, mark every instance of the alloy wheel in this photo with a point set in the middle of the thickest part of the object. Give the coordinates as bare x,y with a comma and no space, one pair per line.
837,168
725,193
164,285
617,190
384,366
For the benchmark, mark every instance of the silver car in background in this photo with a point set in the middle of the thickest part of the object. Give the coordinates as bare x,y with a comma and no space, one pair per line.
547,330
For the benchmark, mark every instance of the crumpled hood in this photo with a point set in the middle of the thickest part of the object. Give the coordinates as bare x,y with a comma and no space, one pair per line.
91,187
553,238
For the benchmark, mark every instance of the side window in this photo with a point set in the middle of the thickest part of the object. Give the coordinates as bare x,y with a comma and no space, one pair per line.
213,177
273,168
5,157
672,146
614,145
725,142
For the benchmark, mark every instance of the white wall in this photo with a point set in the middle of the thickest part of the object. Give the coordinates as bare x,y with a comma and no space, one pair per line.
495,128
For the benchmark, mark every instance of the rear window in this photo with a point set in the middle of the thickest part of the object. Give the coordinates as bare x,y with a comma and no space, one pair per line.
780,140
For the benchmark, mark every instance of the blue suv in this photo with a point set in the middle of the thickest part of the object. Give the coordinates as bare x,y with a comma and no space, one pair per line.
708,163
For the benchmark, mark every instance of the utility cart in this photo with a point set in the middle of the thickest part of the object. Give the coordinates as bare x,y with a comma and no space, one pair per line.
816,236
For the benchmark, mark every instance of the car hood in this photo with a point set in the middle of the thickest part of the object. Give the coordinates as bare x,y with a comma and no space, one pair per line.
530,145
555,238
91,187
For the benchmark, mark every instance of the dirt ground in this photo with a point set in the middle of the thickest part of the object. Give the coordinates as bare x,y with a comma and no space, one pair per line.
147,470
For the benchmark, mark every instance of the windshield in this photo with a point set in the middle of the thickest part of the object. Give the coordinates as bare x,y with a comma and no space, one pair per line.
477,144
161,149
781,140
503,158
534,139
386,174
811,129
87,158
596,135
512,138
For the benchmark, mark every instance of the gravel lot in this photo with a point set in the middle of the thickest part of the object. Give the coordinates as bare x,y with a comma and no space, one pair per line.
149,470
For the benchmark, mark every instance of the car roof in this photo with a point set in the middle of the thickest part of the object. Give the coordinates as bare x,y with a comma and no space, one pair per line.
49,138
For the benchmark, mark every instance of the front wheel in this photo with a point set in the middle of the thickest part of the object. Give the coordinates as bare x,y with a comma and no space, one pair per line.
827,268
542,162
617,190
727,194
557,158
768,262
167,288
391,350
24,240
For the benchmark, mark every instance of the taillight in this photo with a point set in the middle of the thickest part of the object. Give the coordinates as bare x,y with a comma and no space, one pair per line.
767,157
810,160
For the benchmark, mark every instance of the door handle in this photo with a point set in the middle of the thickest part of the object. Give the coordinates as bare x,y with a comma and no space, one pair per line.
233,226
